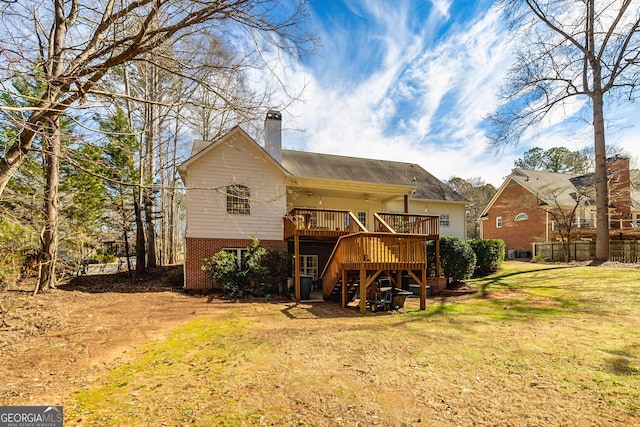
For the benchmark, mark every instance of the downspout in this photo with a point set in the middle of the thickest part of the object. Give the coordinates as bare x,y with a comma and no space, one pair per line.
546,226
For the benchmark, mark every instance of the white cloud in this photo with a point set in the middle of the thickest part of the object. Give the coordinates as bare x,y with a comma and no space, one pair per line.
400,90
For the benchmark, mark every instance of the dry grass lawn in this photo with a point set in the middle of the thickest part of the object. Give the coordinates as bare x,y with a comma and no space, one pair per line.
539,345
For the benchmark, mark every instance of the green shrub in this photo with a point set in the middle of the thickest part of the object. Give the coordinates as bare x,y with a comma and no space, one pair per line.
106,258
457,259
278,264
489,255
261,272
224,270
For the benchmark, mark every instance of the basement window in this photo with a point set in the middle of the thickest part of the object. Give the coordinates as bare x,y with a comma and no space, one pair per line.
238,199
239,253
522,217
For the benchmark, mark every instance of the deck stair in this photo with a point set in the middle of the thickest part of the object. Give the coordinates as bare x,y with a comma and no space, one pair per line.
372,252
397,246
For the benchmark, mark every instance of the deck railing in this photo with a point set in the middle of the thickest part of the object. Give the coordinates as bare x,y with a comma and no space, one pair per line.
320,223
614,224
373,251
406,223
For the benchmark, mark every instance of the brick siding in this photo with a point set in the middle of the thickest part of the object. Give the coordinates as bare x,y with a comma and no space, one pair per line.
517,235
515,199
197,249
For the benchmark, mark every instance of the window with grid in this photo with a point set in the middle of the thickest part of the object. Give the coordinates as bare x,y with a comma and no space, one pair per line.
309,265
444,220
238,199
240,254
362,217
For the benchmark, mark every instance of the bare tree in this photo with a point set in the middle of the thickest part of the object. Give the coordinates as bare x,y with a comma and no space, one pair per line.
563,214
582,49
479,193
74,45
87,39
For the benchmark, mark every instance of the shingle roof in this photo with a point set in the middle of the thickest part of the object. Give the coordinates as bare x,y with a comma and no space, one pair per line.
554,188
562,188
329,166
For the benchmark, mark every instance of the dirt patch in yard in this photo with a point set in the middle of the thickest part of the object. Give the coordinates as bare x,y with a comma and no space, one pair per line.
327,370
50,342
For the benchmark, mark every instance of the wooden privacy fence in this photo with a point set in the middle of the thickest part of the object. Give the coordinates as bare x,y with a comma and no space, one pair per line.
619,251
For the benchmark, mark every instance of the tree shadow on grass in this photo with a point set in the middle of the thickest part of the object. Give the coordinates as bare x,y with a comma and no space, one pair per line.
497,281
621,366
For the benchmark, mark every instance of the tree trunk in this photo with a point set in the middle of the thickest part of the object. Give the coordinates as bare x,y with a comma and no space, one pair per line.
12,160
125,231
151,143
47,279
150,228
602,191
141,262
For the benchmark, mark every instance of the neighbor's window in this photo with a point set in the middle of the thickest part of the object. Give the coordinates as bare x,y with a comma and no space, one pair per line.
444,220
522,217
238,199
499,222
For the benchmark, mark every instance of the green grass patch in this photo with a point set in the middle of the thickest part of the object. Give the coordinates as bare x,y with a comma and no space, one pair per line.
545,344
164,377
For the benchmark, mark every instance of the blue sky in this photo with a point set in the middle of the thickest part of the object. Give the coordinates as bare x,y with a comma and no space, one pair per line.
412,81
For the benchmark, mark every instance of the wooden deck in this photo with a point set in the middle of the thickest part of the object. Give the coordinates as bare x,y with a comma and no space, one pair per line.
320,224
397,246
368,255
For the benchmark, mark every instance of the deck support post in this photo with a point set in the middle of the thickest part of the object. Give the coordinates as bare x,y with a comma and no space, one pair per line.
437,256
296,256
345,290
423,289
363,290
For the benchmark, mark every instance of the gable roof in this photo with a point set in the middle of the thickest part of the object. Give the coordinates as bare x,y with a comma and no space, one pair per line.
357,169
538,183
202,148
552,187
302,164
557,188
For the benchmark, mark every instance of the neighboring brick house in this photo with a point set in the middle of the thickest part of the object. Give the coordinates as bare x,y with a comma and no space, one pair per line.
522,211
236,189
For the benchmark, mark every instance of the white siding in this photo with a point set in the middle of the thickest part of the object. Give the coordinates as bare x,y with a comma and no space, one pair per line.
456,212
240,162
354,205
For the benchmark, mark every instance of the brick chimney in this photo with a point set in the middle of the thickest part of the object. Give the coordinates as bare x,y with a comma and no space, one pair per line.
619,187
273,134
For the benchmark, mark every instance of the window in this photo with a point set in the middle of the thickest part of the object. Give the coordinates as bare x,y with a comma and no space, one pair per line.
444,220
238,199
499,222
309,265
239,253
362,217
522,217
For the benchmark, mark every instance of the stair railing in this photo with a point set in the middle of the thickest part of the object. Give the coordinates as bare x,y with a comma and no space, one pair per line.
372,251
